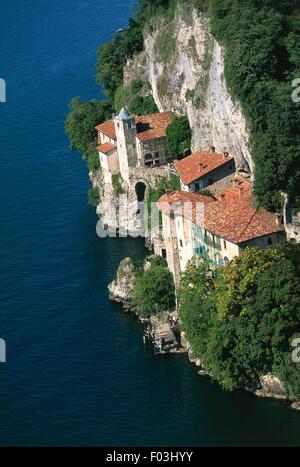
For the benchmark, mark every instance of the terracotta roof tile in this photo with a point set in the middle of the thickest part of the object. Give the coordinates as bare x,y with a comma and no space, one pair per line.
232,216
108,129
184,196
153,126
175,201
197,165
106,148
238,220
148,126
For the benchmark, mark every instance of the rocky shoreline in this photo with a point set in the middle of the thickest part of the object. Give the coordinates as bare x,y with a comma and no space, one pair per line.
121,291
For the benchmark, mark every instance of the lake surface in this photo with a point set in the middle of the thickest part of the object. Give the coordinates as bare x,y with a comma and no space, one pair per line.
77,372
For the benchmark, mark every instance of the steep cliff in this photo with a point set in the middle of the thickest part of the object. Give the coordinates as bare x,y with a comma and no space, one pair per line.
185,67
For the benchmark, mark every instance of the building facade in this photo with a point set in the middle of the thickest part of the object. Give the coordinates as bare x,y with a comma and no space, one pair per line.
137,141
206,170
223,229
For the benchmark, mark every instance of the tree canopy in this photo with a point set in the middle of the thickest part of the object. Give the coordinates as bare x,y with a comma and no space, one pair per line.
178,137
242,324
81,121
262,53
154,290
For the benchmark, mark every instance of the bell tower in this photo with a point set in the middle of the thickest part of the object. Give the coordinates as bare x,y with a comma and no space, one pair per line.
126,132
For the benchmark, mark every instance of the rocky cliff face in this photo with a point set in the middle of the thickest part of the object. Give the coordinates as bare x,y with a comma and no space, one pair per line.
121,288
185,67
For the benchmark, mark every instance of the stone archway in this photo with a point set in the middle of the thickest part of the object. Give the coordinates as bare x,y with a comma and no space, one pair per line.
140,190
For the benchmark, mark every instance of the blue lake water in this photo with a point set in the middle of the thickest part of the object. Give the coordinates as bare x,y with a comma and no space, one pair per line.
77,372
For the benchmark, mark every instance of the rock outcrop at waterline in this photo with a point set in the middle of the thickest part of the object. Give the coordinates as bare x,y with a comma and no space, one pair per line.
121,288
269,385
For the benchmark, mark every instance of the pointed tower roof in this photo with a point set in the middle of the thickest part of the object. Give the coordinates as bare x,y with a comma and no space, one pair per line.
124,115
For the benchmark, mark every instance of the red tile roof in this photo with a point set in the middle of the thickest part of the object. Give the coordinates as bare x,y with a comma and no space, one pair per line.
106,148
180,197
234,216
175,201
239,186
148,126
108,129
197,165
238,220
153,126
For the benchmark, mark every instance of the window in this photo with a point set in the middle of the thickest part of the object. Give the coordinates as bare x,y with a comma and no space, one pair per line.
129,125
197,186
118,125
181,244
225,244
270,241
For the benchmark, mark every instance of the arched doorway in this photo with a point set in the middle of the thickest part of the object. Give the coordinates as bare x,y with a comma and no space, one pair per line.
140,189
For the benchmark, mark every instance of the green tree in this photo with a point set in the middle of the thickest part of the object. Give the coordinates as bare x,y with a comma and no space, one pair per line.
154,291
261,40
81,121
94,196
243,325
196,282
112,57
136,105
238,278
149,105
178,137
196,286
140,105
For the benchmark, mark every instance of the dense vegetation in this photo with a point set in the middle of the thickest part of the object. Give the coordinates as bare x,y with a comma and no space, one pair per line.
154,288
80,127
262,47
154,194
242,320
94,196
136,98
113,55
179,136
262,58
262,44
117,183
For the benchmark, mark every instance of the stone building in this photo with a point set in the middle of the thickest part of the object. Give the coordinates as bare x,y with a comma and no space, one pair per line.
206,170
216,230
135,141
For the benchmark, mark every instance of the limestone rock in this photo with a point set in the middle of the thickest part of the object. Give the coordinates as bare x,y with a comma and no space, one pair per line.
121,288
271,386
296,405
193,83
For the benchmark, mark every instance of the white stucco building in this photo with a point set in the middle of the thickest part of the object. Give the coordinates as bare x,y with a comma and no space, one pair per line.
134,141
216,230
